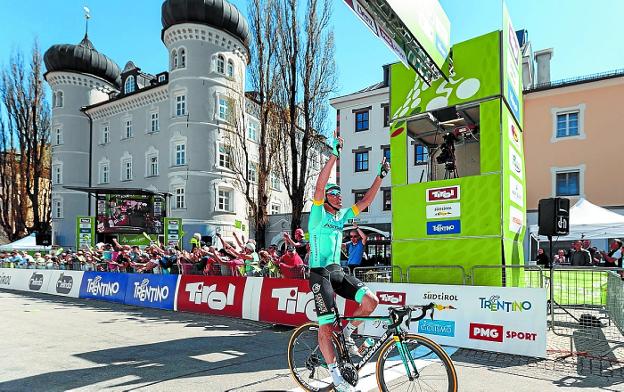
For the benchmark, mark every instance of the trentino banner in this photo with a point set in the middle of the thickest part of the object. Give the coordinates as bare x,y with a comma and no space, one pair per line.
107,286
152,291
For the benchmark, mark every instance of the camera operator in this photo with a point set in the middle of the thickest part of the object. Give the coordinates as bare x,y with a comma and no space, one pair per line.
614,257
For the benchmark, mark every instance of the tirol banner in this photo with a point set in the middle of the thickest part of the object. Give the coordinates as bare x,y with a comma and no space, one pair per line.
508,320
286,301
85,232
219,295
107,286
152,291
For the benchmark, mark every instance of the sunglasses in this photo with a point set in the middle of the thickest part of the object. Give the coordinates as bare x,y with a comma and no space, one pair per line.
334,192
354,236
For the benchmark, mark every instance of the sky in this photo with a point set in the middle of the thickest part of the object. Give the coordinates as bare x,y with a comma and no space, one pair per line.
586,36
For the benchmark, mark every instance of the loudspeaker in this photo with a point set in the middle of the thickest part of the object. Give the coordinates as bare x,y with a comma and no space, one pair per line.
44,239
553,216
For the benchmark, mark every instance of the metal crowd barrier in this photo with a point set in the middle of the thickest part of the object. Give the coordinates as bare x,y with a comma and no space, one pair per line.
587,306
436,274
383,274
529,276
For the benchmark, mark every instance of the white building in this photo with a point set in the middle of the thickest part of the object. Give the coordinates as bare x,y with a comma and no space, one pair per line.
362,120
163,133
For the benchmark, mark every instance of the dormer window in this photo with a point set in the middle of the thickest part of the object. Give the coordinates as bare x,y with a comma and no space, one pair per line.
130,85
230,69
182,54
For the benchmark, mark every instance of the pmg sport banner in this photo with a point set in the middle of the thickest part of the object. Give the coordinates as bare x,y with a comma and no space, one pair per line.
152,291
107,286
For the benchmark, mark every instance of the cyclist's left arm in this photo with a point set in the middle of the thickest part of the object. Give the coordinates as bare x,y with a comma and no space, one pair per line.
369,196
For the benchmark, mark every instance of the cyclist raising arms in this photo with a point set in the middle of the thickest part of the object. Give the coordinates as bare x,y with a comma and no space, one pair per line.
327,219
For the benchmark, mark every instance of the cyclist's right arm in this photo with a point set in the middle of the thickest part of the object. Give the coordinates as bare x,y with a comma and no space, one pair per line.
321,181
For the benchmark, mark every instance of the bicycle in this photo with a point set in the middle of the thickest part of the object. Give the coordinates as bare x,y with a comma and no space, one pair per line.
404,359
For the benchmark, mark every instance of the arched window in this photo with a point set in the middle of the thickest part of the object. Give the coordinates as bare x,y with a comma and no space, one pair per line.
59,99
220,64
174,59
54,100
182,61
130,85
230,69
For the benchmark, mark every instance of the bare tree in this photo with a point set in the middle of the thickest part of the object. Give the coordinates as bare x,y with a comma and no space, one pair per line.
308,77
24,203
257,156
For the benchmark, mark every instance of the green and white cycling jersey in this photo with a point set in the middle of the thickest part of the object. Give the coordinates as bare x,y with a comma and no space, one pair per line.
326,233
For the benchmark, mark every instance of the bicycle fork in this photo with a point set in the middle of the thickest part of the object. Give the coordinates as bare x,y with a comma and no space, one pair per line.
406,358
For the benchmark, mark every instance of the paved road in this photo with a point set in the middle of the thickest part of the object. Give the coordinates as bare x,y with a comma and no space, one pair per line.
56,344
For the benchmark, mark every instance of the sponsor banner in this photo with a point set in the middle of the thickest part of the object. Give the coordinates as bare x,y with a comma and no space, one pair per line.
514,134
515,163
85,232
442,211
502,319
152,291
516,219
16,279
107,286
65,283
443,194
444,227
516,191
287,301
219,295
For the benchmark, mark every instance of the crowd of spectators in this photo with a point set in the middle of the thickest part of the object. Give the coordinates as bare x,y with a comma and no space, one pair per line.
583,254
238,258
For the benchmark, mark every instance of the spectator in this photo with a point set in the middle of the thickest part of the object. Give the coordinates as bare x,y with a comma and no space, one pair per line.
595,259
355,247
272,251
248,255
580,257
542,259
302,247
560,257
291,264
39,261
196,241
268,264
614,257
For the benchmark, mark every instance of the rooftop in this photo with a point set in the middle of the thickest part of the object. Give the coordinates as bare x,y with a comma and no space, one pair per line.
576,80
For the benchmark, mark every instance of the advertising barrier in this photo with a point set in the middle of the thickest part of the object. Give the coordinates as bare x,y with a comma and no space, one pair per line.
107,286
65,283
218,295
501,319
25,279
152,291
286,301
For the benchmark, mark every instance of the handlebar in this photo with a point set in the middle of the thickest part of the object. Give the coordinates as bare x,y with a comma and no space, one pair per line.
399,314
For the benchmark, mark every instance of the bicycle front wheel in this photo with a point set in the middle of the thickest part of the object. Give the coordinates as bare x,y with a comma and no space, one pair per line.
306,361
416,364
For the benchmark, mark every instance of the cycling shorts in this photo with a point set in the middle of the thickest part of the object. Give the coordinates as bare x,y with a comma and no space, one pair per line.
324,282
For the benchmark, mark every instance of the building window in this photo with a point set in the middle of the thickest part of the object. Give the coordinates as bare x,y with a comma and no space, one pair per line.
567,124
386,153
182,55
58,136
162,78
180,197
252,173
174,59
568,184
130,85
387,200
127,129
154,123
57,173
230,69
252,130
224,157
361,161
181,105
57,100
126,169
180,154
224,200
421,154
386,115
359,195
220,64
105,139
152,165
104,173
275,208
361,121
57,208
275,181
224,109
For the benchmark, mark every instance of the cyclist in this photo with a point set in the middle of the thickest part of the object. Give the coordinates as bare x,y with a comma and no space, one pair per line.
327,219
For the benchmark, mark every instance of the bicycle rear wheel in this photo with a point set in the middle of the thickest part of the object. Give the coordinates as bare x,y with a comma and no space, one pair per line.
434,368
306,361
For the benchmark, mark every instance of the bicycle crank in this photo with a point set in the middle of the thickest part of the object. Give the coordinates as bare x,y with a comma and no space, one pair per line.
350,374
